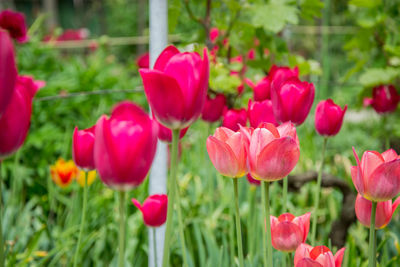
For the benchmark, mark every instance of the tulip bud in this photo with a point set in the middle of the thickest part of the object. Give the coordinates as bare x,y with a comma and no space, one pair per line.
8,71
384,99
213,108
82,148
262,90
143,61
278,75
14,23
214,33
259,112
154,210
329,117
233,118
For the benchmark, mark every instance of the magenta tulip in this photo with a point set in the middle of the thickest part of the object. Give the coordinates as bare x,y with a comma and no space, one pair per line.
214,34
329,117
154,210
384,99
14,23
213,108
82,148
143,61
177,87
124,146
8,71
319,256
165,134
278,75
15,122
259,112
262,90
233,118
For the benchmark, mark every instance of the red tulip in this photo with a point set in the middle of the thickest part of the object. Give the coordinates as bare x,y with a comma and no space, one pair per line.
278,75
213,108
288,231
14,23
384,211
226,150
384,99
251,54
73,35
8,71
319,256
165,134
233,118
143,61
259,112
214,33
154,210
124,146
177,87
377,176
292,101
329,117
262,90
15,122
82,148
273,152
253,181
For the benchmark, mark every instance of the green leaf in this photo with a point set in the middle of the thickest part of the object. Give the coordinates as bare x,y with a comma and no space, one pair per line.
365,3
374,76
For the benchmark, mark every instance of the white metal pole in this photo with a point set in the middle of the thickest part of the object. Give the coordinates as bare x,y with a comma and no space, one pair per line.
158,177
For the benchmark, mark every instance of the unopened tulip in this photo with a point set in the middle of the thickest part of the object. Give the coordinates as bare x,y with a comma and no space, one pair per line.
319,256
377,176
233,118
213,108
89,176
177,87
14,23
124,146
288,231
384,211
259,112
165,134
292,101
154,210
273,152
214,33
278,75
63,172
15,122
384,99
253,181
329,117
226,150
82,148
8,71
262,90
143,61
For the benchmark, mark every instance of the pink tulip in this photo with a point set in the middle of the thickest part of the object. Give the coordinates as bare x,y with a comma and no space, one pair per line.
143,61
288,231
384,99
226,150
384,211
292,101
377,176
251,54
214,33
262,90
15,122
259,112
278,75
154,210
213,108
253,181
329,117
233,118
319,256
82,148
177,87
8,71
124,146
165,134
14,23
273,152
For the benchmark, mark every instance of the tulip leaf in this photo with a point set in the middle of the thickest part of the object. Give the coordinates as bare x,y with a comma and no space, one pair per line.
375,76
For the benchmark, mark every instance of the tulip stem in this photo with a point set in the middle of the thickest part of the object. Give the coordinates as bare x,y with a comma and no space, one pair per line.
238,226
2,262
267,224
317,195
121,257
171,195
180,225
155,247
372,240
83,215
284,194
264,229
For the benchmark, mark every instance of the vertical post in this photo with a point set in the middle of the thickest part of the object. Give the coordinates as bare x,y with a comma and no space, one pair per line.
158,10
50,7
141,23
325,53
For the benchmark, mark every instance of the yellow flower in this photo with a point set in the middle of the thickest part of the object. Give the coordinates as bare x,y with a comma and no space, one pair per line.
91,176
63,172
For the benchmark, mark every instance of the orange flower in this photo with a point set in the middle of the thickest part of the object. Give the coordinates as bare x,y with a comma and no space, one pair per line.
63,172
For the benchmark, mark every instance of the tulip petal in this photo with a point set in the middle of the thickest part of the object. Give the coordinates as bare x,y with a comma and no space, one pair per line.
303,222
136,203
339,257
369,162
357,175
222,157
164,57
235,142
302,251
384,183
389,155
286,236
8,70
223,133
307,262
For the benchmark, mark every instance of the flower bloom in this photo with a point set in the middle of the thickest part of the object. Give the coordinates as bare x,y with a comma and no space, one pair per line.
377,176
262,90
233,118
143,61
278,75
15,122
165,134
176,88
329,117
14,23
90,176
227,152
384,211
259,112
213,108
8,71
288,231
63,172
82,148
252,181
319,256
154,210
214,33
124,146
292,101
384,99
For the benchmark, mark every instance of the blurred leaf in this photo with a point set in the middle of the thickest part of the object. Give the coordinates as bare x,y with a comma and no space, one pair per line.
374,76
366,3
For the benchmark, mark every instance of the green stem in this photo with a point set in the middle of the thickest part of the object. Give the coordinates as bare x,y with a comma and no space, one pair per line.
264,229
155,247
238,227
284,194
252,238
317,195
180,224
2,260
171,196
291,260
78,246
372,240
121,257
267,224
